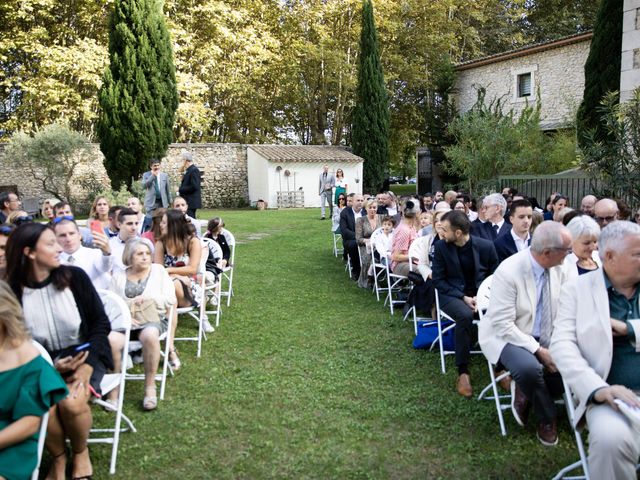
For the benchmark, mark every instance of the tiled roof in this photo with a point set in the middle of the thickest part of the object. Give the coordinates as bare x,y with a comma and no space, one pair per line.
305,153
526,50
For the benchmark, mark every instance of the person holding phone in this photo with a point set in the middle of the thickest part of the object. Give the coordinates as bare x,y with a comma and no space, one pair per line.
62,311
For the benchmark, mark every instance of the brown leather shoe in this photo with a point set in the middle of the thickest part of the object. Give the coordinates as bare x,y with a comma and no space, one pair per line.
463,385
505,383
519,405
548,433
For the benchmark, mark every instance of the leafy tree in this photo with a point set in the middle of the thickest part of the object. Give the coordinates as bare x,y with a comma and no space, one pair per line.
602,69
370,130
139,97
550,19
490,142
51,156
612,163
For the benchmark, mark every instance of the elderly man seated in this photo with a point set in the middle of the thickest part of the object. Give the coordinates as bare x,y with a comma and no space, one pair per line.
516,330
594,345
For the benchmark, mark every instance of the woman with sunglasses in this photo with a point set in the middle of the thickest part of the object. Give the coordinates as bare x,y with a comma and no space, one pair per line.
341,185
341,203
64,313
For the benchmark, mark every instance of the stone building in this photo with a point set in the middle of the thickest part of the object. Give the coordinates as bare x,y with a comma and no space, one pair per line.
630,61
551,73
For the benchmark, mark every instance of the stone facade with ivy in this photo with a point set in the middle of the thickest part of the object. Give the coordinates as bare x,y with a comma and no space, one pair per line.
224,180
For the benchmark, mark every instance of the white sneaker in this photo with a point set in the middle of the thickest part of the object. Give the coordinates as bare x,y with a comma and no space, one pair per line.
137,358
207,327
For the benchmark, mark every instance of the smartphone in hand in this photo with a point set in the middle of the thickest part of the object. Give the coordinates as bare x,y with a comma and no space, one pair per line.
96,226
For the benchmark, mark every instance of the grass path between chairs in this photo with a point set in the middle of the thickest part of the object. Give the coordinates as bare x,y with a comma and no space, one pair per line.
309,377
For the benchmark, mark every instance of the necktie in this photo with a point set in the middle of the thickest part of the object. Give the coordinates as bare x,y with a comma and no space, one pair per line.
495,228
71,260
545,312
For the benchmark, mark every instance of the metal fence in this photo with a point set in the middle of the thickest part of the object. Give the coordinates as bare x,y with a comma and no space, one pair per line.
542,186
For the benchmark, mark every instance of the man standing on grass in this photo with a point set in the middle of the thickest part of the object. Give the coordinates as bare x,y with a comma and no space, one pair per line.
326,182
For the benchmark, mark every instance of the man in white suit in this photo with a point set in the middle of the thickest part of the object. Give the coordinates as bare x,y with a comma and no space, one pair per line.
516,330
595,347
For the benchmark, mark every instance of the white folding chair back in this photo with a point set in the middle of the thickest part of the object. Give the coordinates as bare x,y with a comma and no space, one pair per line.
227,273
211,292
198,313
115,306
45,418
395,285
337,250
440,315
379,268
164,353
570,404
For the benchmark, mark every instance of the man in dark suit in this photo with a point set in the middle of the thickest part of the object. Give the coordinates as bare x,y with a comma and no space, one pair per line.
460,264
518,238
348,231
493,208
190,186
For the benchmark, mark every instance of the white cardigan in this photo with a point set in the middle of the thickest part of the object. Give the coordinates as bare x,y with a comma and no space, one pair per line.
159,287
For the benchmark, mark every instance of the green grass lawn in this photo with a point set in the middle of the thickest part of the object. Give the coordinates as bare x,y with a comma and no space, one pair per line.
400,190
309,377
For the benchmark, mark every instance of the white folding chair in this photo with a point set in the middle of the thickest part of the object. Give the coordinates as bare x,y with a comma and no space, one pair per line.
396,284
111,381
337,250
379,268
44,420
164,353
484,295
570,404
227,272
198,313
211,292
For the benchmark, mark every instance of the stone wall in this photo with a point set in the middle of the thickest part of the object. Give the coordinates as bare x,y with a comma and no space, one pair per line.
557,74
630,61
224,168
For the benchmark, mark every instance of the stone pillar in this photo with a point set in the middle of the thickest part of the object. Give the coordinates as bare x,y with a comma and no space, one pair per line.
630,61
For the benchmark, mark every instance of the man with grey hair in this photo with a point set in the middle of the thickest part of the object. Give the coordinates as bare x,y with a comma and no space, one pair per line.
190,188
595,344
326,182
605,211
587,204
493,208
516,330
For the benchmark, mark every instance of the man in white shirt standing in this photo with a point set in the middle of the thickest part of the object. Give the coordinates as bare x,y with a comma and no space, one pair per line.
128,221
96,262
134,204
520,215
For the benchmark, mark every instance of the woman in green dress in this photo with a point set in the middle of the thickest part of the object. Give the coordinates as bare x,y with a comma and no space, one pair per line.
341,185
30,387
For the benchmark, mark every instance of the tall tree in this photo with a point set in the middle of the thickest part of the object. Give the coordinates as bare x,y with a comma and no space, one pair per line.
602,69
370,129
138,97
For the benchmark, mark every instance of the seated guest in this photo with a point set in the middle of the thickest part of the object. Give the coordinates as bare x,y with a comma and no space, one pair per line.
480,218
493,209
128,228
605,211
179,251
100,211
180,204
364,228
594,346
450,197
348,231
392,204
383,242
62,311
422,248
584,257
426,205
30,386
558,203
5,231
516,330
46,211
154,231
570,215
63,209
18,217
403,236
425,220
460,263
214,232
560,214
466,200
134,204
519,238
548,211
382,203
587,204
341,204
145,287
112,227
9,202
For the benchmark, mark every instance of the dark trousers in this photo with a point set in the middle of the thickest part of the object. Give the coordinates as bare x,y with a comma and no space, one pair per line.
463,316
538,386
191,212
351,247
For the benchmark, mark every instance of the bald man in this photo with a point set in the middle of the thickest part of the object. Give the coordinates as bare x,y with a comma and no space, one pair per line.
605,211
587,205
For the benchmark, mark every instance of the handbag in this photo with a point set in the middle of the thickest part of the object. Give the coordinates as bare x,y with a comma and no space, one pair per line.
143,313
428,333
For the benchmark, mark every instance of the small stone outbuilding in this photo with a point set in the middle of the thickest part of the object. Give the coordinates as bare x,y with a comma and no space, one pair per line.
287,175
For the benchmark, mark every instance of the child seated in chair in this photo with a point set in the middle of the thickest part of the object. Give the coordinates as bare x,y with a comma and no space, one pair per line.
384,241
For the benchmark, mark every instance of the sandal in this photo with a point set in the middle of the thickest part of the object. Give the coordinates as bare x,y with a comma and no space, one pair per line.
175,361
149,403
82,477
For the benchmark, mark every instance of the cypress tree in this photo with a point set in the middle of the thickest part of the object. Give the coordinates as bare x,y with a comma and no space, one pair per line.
370,128
138,98
602,69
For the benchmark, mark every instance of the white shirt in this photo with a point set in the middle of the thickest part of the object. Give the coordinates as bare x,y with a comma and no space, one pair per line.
472,215
520,243
196,223
392,211
383,244
499,224
93,262
117,249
